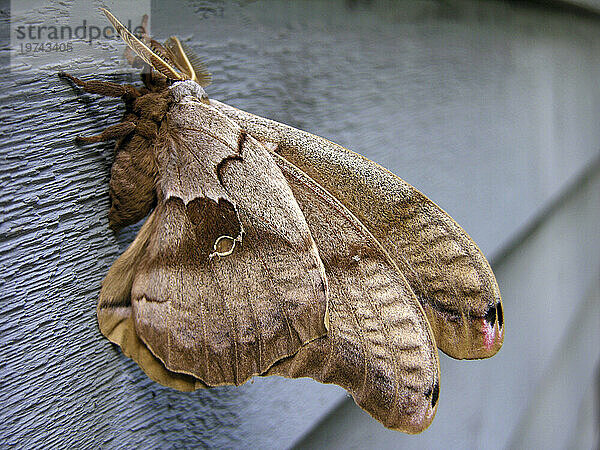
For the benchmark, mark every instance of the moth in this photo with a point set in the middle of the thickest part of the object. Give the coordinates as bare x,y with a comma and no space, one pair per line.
271,251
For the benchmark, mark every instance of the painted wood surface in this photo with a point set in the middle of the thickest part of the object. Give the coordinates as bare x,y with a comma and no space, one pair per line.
489,108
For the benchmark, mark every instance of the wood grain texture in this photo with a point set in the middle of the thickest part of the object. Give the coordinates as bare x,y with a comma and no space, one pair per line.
474,103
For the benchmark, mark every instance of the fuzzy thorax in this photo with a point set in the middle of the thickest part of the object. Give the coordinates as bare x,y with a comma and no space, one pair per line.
182,89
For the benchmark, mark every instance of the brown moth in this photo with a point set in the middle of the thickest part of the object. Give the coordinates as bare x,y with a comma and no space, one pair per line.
270,251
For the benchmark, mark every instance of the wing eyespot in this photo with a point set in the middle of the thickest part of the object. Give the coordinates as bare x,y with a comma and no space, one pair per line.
500,315
491,315
434,393
224,246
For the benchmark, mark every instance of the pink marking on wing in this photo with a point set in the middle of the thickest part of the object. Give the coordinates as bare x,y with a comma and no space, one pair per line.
489,333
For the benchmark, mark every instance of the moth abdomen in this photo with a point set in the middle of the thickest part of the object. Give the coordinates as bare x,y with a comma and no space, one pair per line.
133,177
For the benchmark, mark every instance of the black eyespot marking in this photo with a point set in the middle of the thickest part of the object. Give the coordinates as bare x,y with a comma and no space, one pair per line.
500,315
435,394
490,315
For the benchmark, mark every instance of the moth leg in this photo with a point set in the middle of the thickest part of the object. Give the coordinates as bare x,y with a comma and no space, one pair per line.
144,25
105,88
112,132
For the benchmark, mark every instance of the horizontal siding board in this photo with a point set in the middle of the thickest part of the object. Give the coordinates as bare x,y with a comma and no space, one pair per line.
489,108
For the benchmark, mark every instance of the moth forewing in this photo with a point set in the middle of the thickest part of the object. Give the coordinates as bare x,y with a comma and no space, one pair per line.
449,274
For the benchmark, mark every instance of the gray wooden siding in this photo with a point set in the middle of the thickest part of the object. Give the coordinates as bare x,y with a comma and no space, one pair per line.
490,108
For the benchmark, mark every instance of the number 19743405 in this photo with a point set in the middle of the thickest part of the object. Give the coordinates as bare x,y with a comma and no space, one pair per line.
46,47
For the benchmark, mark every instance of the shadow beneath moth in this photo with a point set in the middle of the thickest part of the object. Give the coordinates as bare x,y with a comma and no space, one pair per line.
271,251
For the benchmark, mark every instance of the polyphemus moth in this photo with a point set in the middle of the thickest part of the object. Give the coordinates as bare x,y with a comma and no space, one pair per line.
270,251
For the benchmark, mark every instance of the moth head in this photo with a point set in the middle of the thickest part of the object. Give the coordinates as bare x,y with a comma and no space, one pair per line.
173,60
188,88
